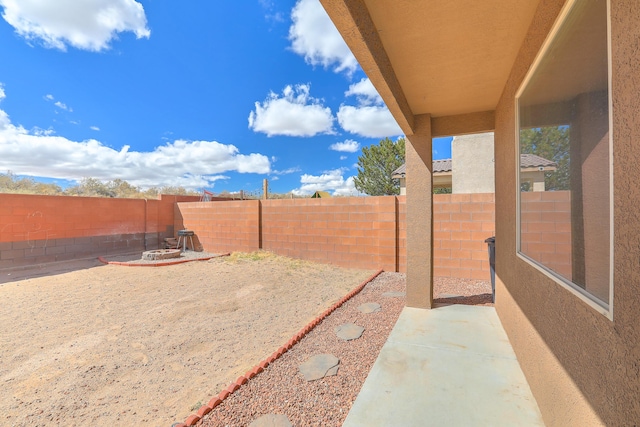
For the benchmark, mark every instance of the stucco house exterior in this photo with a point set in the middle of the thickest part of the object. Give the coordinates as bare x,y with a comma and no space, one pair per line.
512,67
470,170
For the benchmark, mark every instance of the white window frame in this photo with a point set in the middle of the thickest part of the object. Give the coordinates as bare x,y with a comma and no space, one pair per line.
604,308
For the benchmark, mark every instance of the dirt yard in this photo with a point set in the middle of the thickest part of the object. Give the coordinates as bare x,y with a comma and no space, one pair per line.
113,345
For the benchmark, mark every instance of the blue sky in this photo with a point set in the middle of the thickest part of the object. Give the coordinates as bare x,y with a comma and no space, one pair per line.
203,94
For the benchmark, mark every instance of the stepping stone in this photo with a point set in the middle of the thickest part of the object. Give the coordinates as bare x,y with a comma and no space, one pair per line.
369,307
349,331
449,296
272,420
394,294
320,366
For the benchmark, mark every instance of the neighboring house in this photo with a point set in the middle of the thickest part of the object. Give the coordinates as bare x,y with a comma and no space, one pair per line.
529,66
471,170
532,170
441,175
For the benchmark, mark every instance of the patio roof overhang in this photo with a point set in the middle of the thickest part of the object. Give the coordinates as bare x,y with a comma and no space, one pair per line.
447,59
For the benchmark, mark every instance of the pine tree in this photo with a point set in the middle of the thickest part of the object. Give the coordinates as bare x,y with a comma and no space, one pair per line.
375,166
551,143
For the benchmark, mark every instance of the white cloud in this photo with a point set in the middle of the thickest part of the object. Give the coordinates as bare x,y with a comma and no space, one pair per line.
286,171
96,128
295,113
371,118
343,157
62,106
365,92
348,146
370,121
191,164
332,180
2,94
88,24
314,36
271,14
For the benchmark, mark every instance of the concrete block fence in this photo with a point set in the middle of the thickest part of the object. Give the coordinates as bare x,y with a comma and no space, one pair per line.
355,232
38,229
545,219
461,223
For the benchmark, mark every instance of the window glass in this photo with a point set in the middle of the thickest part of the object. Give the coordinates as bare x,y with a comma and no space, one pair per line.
564,145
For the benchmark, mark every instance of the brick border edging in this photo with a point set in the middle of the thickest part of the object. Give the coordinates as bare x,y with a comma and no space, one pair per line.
234,386
158,264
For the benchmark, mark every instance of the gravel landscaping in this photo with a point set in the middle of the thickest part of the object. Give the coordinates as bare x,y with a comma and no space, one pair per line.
281,388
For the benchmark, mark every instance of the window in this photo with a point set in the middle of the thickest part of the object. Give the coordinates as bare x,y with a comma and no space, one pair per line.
564,153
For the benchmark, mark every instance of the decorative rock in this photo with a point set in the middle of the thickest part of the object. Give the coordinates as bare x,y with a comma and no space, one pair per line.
369,307
349,331
320,366
272,420
394,294
160,254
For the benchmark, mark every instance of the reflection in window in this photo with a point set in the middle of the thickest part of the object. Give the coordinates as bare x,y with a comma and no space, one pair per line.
563,113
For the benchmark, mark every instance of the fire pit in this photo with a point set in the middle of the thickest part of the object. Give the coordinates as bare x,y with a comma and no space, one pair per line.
160,254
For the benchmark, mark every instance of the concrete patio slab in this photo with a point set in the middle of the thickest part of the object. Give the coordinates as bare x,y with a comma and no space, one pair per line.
450,366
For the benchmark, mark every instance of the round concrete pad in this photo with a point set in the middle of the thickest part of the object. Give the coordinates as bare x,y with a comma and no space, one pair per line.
320,366
394,294
349,331
369,307
272,420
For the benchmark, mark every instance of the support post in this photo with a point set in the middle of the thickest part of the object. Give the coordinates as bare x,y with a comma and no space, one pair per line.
419,161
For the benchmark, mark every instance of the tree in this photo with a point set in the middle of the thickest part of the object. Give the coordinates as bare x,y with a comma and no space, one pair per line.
10,183
551,143
375,166
87,187
91,187
442,190
121,188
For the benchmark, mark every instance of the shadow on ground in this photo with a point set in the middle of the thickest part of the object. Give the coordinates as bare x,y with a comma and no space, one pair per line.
8,275
481,299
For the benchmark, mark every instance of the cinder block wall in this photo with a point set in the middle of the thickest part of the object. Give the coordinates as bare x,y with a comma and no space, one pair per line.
461,223
221,227
545,218
356,232
38,229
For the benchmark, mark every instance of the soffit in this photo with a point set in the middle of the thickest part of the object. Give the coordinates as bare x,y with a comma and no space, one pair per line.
449,57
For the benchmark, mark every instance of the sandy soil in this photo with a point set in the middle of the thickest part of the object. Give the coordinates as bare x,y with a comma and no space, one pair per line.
113,345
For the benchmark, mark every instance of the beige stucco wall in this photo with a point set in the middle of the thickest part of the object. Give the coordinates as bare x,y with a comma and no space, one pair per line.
583,368
472,164
420,216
